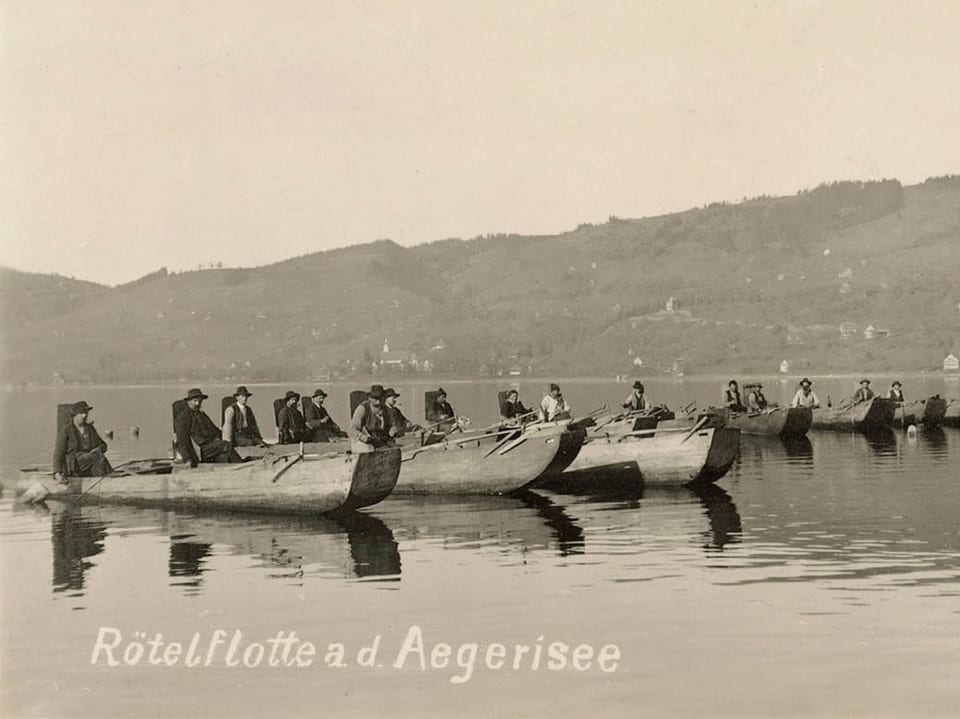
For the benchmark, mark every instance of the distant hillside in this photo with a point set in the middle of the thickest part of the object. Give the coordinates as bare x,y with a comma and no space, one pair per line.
753,283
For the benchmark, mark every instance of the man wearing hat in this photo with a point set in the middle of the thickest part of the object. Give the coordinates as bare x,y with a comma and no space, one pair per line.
895,393
864,393
240,426
291,427
731,397
370,424
756,402
397,423
441,413
805,396
193,426
513,407
554,406
636,401
318,420
79,451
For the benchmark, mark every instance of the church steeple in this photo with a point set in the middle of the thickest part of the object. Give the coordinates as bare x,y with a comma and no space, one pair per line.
386,347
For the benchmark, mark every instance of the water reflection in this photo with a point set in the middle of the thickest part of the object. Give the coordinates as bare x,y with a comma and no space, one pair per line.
798,448
568,533
726,527
75,538
188,560
883,442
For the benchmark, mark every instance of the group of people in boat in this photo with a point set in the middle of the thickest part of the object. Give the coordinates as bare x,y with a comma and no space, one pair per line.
755,401
804,396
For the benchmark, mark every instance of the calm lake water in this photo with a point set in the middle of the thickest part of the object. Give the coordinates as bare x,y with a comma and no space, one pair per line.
820,577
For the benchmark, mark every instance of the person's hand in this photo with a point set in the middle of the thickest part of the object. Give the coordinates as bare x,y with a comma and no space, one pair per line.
59,477
193,464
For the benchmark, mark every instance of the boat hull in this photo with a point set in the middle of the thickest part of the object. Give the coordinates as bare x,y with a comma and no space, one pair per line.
874,414
488,464
295,484
951,417
929,412
663,457
781,422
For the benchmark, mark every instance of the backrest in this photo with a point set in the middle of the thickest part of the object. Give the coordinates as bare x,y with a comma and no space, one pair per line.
304,403
357,397
63,415
278,404
224,403
177,407
502,400
429,401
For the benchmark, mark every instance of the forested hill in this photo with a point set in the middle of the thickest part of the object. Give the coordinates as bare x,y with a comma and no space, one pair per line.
798,278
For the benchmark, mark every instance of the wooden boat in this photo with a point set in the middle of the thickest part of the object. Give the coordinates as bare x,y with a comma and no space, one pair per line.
494,462
659,456
873,414
289,483
951,417
929,412
777,421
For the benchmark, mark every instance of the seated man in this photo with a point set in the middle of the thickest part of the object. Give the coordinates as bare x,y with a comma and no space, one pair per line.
637,400
239,423
756,402
805,396
370,424
319,422
291,427
398,425
554,407
513,407
896,394
79,451
194,426
864,393
441,413
731,397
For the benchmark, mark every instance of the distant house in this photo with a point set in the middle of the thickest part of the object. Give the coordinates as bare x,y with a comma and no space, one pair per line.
844,288
397,359
846,274
672,305
58,378
848,329
870,333
515,371
785,366
951,363
638,362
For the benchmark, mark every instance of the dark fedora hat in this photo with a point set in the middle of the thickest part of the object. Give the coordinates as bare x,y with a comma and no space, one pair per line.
441,390
80,407
376,391
896,383
242,390
319,393
195,393
638,385
554,386
390,392
806,381
290,394
864,381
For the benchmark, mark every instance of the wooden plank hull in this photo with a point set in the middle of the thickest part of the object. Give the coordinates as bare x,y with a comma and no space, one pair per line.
875,414
308,484
780,422
662,457
951,417
488,464
929,412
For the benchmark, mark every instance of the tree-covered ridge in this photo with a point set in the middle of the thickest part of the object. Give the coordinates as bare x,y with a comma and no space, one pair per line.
755,282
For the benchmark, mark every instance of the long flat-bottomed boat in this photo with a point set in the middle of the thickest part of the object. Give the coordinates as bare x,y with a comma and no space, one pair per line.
777,421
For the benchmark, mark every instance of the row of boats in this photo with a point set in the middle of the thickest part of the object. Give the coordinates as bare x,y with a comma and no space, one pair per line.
647,448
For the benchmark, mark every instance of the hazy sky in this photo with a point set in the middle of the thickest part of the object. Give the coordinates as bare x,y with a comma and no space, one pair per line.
145,133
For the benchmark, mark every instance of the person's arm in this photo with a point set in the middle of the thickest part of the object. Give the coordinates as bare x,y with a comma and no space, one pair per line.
795,402
183,429
628,401
356,423
227,431
816,402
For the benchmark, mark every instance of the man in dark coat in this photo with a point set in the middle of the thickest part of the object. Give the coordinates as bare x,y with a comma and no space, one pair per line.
864,393
441,412
290,425
512,406
731,397
193,425
239,423
79,451
397,422
319,421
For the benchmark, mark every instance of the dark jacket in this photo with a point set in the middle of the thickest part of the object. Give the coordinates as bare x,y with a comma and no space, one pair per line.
756,402
863,394
290,425
398,425
70,442
513,409
731,400
193,425
318,418
439,411
252,429
371,425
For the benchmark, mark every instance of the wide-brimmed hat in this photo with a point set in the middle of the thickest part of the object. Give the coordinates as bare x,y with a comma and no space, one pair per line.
376,391
805,381
638,385
896,383
864,381
196,393
242,390
441,390
319,393
80,407
390,392
290,393
732,382
554,387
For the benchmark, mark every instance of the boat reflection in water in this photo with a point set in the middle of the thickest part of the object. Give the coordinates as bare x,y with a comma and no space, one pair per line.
882,441
349,545
793,451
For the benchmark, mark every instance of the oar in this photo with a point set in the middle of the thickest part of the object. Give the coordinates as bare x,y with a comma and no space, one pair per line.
703,420
283,469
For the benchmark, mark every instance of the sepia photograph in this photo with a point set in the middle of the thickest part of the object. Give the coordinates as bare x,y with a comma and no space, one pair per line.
522,358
